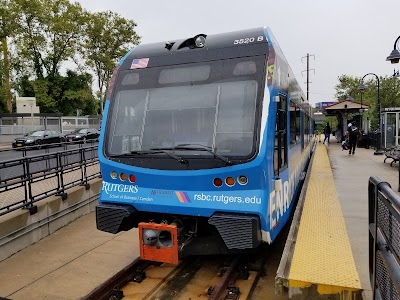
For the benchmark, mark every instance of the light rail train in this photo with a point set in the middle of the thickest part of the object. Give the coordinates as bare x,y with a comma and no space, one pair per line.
204,144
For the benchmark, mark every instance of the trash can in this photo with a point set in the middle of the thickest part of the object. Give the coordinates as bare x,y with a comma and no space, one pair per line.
364,142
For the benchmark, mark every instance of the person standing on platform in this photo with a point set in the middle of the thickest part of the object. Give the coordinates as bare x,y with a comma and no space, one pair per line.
353,134
327,132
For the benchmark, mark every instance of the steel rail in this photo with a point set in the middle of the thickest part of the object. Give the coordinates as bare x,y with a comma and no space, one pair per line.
110,289
219,292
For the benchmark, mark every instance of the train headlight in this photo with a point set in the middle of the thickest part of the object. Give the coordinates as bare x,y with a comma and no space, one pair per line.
113,175
230,181
150,237
122,176
242,180
200,41
218,182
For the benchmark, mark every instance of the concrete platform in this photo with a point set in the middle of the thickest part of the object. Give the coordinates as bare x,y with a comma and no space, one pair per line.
350,182
351,175
67,264
322,264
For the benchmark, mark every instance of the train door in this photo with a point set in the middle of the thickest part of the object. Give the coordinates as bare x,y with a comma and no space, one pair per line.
281,136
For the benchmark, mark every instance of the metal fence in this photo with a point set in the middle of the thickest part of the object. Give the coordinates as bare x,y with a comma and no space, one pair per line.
20,124
68,124
28,179
384,240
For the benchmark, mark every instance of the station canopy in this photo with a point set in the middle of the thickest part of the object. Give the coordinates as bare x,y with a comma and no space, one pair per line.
346,106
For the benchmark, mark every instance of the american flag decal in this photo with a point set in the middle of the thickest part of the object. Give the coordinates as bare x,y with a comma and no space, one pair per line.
139,63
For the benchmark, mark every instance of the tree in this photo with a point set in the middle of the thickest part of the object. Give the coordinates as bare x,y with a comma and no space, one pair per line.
61,94
25,87
44,34
76,94
8,27
389,93
347,86
108,37
49,33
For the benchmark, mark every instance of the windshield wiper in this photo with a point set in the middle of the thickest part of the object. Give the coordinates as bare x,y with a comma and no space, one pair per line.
150,151
130,154
188,147
162,150
200,147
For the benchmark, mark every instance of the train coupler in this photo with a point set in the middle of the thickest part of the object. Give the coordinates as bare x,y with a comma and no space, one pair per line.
159,242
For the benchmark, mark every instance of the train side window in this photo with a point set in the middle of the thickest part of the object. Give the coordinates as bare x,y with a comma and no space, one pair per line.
306,122
281,147
187,74
245,68
130,78
294,124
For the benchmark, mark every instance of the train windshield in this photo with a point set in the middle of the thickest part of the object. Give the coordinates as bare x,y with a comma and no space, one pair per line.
211,104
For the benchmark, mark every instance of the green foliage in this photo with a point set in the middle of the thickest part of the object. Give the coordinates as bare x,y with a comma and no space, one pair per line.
389,92
8,19
348,86
45,101
76,93
3,106
108,37
25,87
44,34
49,32
65,95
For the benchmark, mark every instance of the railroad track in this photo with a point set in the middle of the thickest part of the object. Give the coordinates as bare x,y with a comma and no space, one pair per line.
214,278
249,277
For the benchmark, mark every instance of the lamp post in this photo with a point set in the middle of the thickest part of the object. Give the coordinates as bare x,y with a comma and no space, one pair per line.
361,110
394,56
362,87
31,105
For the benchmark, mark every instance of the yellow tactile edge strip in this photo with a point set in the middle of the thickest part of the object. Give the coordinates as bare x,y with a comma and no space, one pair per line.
322,254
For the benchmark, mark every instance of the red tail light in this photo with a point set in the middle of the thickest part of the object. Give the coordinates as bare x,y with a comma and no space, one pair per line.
218,182
132,178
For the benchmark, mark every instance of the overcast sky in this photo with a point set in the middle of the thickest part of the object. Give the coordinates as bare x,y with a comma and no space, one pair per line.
351,37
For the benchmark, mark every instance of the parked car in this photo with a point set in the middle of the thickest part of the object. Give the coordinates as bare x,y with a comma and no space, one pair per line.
39,138
83,135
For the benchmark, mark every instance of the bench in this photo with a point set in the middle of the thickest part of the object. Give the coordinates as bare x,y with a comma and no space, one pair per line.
394,154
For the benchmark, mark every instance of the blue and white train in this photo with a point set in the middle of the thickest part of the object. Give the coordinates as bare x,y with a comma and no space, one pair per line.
203,145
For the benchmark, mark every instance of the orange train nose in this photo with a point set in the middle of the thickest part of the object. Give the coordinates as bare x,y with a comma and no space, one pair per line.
158,242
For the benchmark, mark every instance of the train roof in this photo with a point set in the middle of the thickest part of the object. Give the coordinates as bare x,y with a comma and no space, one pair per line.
203,47
212,41
241,43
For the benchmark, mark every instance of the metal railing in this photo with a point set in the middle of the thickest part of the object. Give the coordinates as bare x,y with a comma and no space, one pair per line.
28,179
384,240
14,125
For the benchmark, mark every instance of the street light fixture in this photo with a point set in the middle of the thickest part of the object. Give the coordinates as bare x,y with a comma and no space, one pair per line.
394,56
31,105
362,87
